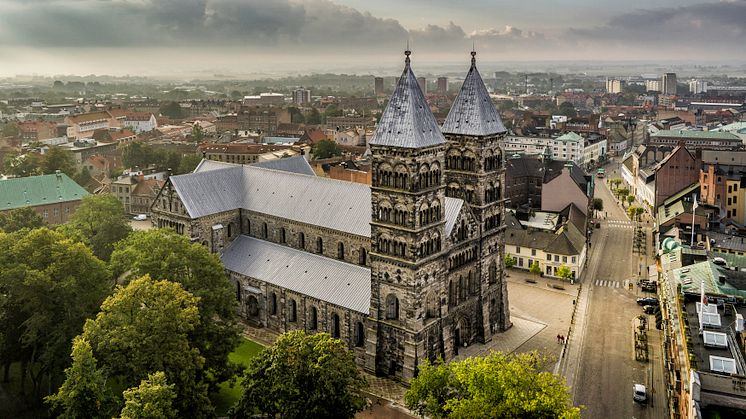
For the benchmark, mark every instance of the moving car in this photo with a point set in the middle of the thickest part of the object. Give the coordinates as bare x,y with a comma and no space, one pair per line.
649,309
140,217
647,301
640,394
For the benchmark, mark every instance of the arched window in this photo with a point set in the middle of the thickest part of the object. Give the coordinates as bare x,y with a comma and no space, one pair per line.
293,311
341,251
313,321
301,240
359,334
452,296
283,238
363,258
248,226
493,272
265,230
335,326
319,245
230,230
273,304
431,306
238,291
462,288
392,307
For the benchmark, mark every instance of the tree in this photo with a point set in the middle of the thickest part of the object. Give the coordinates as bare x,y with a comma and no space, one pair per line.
102,221
137,155
509,261
314,117
165,255
325,149
10,129
197,134
49,285
144,327
58,159
622,192
535,268
568,109
188,163
83,177
635,212
630,199
22,165
597,204
16,219
302,376
296,116
494,386
172,110
152,399
564,272
84,393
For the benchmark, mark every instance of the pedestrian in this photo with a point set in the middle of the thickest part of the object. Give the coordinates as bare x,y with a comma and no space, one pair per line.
562,339
559,337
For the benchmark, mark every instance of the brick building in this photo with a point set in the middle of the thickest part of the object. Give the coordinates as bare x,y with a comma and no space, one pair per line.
54,197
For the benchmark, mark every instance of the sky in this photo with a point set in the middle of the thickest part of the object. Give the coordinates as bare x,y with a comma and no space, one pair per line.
179,37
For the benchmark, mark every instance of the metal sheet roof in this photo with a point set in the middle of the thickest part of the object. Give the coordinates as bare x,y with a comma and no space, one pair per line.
473,112
336,282
296,164
39,190
334,204
407,121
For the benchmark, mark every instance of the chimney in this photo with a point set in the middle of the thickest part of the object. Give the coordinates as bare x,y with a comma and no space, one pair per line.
169,173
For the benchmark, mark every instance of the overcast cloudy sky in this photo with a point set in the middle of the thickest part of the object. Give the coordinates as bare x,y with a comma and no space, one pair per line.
161,36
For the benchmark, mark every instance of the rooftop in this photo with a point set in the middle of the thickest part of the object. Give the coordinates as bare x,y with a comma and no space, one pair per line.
38,190
696,135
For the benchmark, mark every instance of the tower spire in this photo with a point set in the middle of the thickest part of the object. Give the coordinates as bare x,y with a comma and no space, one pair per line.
407,53
473,57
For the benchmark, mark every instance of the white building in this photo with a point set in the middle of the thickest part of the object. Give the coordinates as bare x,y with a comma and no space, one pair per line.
301,96
140,122
697,86
653,85
614,85
567,147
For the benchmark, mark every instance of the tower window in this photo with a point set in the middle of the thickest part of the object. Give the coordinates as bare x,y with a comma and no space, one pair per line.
359,334
392,307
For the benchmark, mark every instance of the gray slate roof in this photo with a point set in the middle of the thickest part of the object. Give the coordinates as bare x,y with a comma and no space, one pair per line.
568,241
336,282
296,164
335,204
407,121
473,112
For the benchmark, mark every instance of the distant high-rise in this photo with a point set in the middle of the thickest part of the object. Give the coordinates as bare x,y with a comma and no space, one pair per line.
614,85
379,86
442,85
301,96
697,86
423,84
668,83
653,85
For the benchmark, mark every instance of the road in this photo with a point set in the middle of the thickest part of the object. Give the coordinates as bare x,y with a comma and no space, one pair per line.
607,367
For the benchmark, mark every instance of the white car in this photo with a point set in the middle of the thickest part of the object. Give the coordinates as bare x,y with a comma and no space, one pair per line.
140,217
640,394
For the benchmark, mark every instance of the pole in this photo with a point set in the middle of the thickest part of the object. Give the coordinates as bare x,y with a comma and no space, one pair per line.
694,212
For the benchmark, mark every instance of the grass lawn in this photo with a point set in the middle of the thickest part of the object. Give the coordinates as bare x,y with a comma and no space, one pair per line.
228,394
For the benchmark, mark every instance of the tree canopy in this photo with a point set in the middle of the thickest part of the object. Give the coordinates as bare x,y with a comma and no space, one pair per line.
535,268
302,376
143,328
564,272
172,110
16,219
495,386
165,255
188,163
102,221
84,393
57,159
152,399
49,285
325,149
509,261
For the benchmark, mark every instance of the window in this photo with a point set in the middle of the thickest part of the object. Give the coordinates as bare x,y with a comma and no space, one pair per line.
392,307
319,245
273,304
493,272
533,252
363,258
283,235
549,257
229,230
730,188
556,258
734,212
335,326
520,262
735,200
359,334
301,240
341,251
729,201
517,249
265,230
46,213
564,259
293,311
573,259
313,323
238,291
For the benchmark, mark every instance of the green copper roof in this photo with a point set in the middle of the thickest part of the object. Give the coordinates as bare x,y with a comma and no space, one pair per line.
701,135
38,190
570,136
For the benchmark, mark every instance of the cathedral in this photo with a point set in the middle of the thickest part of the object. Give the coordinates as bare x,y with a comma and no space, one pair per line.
406,269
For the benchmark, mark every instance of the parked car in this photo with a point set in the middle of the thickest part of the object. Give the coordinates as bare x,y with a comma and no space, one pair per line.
640,394
647,301
649,309
140,217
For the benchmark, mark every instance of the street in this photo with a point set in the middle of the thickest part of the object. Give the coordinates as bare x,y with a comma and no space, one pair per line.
607,369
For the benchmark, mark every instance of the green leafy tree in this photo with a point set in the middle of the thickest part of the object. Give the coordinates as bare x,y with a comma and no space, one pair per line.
495,386
172,110
84,394
49,286
509,261
630,199
197,133
635,212
314,117
83,177
152,399
188,163
302,376
102,221
564,272
622,192
22,165
137,155
597,204
567,109
296,116
57,159
16,219
165,255
144,327
325,149
535,268
10,129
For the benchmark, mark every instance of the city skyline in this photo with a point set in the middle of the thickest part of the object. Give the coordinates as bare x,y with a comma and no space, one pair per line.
157,37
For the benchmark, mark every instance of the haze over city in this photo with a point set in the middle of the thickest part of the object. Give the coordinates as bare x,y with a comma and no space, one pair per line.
200,37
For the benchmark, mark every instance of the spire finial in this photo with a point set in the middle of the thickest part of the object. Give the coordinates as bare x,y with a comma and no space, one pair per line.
473,55
407,53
